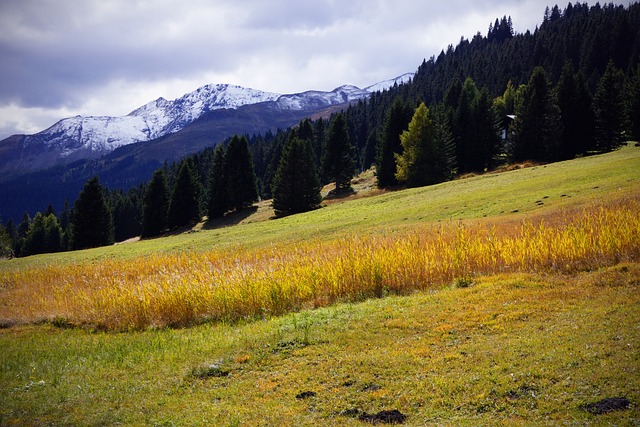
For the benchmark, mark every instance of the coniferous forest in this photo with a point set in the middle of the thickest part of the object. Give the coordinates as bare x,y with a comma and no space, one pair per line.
570,88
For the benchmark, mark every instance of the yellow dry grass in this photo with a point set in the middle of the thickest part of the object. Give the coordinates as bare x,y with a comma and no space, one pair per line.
179,289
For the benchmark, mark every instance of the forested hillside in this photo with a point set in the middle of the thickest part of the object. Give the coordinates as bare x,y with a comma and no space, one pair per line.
567,89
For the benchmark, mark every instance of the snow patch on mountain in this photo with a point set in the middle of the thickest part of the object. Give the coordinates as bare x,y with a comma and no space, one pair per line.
100,134
387,84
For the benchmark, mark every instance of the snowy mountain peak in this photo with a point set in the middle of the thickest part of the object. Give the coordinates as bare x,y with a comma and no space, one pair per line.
96,135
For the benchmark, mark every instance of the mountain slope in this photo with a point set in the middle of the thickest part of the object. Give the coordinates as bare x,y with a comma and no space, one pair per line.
52,166
78,138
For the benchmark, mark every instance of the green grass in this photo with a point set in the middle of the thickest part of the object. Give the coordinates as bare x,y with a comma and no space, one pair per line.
520,349
513,350
515,193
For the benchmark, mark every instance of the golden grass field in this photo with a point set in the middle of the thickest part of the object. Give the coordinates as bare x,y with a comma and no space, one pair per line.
505,299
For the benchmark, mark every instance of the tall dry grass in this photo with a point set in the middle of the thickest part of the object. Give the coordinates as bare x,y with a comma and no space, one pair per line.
182,289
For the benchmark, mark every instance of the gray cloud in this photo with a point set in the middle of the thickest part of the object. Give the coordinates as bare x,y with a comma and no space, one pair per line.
96,57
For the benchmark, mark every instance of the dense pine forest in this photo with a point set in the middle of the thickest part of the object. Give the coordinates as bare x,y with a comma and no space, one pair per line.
570,88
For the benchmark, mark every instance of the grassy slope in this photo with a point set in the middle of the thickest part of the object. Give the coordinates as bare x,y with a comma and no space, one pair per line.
529,191
519,349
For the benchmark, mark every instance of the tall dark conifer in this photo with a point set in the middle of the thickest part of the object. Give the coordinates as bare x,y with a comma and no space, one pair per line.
92,222
296,187
240,177
156,205
396,121
633,107
184,207
216,187
576,116
609,110
536,128
339,162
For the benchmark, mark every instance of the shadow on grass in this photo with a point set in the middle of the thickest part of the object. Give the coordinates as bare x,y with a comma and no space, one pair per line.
232,218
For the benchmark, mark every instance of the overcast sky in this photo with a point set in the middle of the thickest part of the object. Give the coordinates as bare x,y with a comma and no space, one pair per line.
107,57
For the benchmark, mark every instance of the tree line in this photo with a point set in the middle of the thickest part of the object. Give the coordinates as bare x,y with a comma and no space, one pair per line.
571,88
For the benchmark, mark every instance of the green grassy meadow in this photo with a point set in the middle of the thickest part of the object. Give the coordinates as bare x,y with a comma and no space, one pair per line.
517,348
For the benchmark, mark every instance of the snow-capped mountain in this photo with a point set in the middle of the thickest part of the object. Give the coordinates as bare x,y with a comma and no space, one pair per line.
101,134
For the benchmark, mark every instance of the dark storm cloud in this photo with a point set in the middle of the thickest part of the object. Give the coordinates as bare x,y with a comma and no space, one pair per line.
108,57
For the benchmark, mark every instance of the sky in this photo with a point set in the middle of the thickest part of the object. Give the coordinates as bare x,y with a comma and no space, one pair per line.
107,57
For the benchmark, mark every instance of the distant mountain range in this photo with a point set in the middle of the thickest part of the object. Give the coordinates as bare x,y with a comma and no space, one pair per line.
91,137
125,150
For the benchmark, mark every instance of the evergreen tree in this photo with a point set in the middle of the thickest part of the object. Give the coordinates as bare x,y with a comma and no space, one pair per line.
464,127
609,110
428,155
633,107
34,242
216,186
486,138
442,165
576,117
536,128
184,207
239,175
296,187
396,122
156,205
92,222
53,234
25,224
44,236
338,161
6,243
12,232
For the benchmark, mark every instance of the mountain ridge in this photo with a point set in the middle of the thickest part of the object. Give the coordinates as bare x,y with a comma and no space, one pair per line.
90,137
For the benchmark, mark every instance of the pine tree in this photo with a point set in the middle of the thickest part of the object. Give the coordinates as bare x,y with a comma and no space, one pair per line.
442,166
486,137
240,177
464,127
296,186
536,128
92,223
633,107
338,162
609,110
184,207
428,155
396,121
576,117
53,234
216,187
156,205
6,243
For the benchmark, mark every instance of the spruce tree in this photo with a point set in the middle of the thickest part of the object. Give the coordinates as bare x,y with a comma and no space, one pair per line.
633,107
609,110
536,128
486,138
428,156
92,223
338,162
576,117
155,208
396,121
296,186
464,127
216,186
184,207
6,243
240,177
